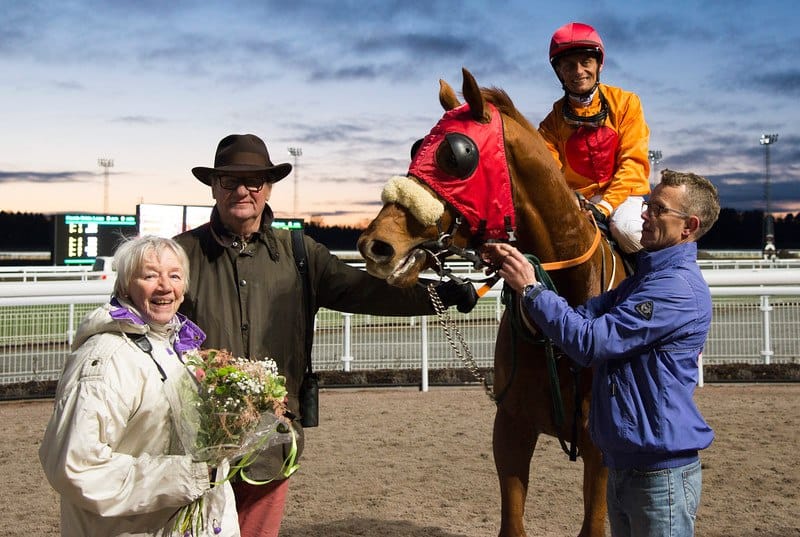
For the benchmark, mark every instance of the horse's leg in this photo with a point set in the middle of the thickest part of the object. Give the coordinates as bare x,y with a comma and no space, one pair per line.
595,476
513,447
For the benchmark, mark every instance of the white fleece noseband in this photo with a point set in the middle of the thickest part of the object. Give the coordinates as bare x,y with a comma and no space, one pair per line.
408,193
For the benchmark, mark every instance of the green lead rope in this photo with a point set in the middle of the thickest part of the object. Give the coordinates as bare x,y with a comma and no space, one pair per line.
508,297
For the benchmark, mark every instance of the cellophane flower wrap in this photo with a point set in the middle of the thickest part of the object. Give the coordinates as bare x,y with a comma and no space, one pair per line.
228,408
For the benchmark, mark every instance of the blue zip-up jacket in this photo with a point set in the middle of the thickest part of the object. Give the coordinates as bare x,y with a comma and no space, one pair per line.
642,340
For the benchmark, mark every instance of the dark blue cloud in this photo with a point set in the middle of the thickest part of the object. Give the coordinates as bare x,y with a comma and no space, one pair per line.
47,177
68,85
138,120
335,132
417,45
350,72
785,83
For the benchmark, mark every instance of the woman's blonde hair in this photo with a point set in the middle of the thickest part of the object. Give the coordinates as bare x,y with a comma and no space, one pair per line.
131,255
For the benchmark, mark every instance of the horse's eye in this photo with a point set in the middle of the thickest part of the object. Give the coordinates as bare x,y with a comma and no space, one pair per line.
457,155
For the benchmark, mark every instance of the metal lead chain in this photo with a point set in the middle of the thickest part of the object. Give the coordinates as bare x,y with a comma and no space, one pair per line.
460,348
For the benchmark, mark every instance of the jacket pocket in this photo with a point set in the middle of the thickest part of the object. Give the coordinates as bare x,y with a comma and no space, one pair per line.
613,425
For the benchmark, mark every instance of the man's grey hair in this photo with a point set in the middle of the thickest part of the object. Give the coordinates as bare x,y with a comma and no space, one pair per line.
701,200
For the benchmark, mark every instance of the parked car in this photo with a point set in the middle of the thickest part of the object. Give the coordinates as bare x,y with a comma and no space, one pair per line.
104,266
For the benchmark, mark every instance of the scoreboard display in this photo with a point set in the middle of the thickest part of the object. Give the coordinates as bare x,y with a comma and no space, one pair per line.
288,223
80,238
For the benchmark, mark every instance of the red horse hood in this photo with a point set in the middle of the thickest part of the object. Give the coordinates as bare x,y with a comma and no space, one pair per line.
484,197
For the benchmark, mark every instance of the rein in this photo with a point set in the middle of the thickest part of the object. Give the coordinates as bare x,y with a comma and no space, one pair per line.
555,265
521,327
580,260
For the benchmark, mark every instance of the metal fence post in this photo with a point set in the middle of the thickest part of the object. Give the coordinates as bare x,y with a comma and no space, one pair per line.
766,308
70,325
347,351
424,353
700,377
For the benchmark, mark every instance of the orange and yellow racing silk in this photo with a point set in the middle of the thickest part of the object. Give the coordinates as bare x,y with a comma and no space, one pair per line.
610,159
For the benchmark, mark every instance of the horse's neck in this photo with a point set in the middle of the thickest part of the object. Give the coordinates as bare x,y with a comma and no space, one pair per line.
550,223
552,227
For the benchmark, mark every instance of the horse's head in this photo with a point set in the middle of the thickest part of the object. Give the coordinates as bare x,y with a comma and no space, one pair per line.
466,185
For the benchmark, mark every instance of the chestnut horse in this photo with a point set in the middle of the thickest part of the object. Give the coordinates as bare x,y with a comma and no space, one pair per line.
484,173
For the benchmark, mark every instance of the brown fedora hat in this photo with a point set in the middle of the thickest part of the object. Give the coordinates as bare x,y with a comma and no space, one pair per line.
242,154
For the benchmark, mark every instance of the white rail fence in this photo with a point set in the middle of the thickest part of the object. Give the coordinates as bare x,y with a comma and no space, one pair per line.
47,273
756,320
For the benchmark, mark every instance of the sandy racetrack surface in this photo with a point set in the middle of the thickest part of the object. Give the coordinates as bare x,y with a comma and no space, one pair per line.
397,462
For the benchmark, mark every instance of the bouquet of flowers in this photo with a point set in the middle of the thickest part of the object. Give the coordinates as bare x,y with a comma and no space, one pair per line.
228,408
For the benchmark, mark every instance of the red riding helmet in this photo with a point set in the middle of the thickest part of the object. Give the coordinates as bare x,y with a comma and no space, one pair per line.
576,36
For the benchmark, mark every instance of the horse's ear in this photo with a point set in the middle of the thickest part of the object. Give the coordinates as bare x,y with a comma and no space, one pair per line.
472,94
447,97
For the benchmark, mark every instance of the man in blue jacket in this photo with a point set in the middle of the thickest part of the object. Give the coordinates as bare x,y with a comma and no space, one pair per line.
642,340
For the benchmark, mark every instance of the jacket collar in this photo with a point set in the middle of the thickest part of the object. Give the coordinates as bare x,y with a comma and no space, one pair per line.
187,334
668,257
265,234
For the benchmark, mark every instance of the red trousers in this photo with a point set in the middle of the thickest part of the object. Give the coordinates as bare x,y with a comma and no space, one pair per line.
260,507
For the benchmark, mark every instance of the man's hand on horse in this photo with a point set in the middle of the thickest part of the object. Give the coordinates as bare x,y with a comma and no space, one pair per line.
510,264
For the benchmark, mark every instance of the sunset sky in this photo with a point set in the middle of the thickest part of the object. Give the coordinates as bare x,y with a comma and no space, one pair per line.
155,85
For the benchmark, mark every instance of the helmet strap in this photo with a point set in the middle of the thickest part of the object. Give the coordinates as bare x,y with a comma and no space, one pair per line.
582,99
576,120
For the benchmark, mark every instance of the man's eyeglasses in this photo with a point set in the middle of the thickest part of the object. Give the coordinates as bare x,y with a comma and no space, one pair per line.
252,184
657,210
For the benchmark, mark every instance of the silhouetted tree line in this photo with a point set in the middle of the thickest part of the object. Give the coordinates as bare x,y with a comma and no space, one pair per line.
334,237
744,230
735,230
26,232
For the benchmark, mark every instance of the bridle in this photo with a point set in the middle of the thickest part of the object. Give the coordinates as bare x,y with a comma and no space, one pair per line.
443,246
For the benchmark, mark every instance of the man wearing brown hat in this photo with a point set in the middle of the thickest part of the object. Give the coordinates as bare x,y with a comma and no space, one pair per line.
245,292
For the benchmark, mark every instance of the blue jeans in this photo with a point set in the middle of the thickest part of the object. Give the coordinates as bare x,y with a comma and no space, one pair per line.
654,503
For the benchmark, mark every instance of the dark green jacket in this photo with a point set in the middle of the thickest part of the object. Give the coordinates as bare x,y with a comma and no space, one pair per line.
248,298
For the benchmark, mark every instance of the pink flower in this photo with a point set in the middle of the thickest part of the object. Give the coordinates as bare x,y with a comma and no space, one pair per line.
199,374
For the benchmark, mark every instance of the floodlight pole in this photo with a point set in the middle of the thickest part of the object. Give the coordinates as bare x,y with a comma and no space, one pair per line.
105,163
767,140
296,152
769,226
655,157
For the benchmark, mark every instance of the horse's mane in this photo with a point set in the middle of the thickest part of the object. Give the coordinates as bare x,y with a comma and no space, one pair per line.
502,101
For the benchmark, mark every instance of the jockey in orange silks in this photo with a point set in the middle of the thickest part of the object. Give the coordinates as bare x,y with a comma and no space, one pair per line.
598,135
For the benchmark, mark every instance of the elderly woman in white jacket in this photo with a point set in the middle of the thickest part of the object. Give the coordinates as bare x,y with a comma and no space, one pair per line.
110,448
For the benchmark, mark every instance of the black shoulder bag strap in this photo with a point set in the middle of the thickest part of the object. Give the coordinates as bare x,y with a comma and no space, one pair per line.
309,389
144,344
300,259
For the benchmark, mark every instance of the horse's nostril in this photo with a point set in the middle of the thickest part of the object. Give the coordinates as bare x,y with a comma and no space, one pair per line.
380,249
